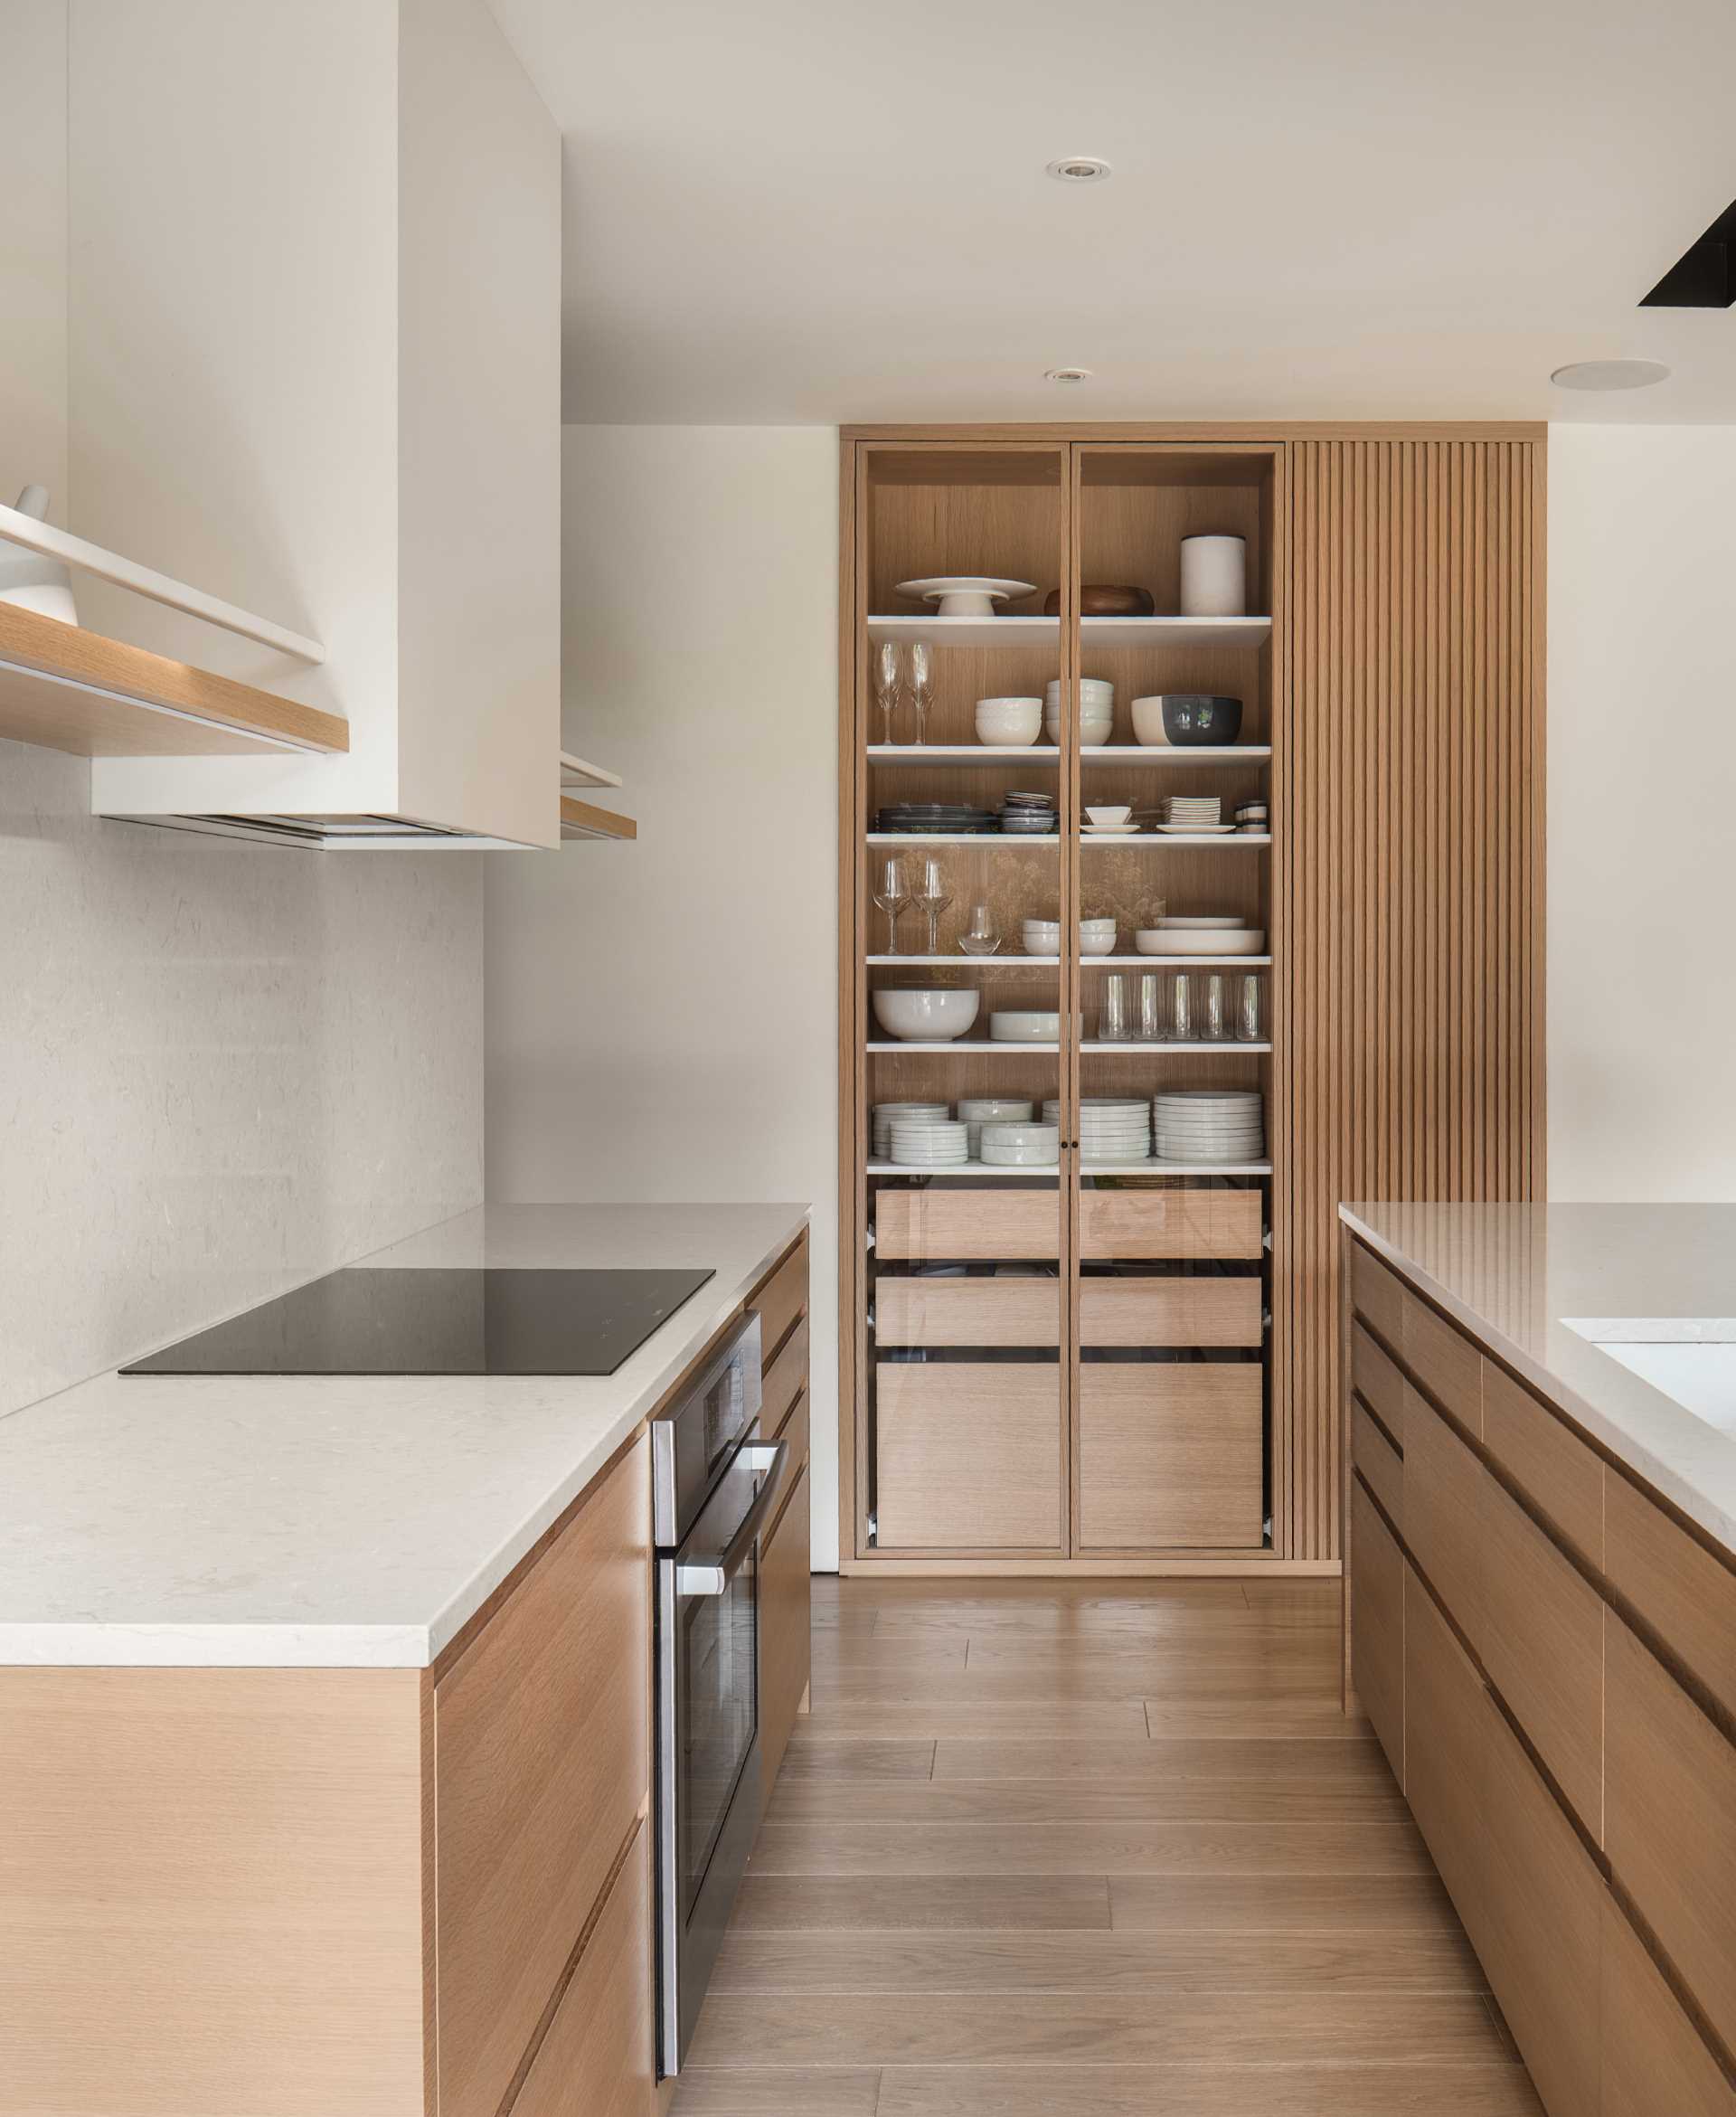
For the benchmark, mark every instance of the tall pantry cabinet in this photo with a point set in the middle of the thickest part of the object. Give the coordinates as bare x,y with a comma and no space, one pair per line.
1131,1365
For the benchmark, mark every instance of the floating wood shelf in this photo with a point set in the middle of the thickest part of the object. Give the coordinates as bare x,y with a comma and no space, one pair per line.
66,688
584,819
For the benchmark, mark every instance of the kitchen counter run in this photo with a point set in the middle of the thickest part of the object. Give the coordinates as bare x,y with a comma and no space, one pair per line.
1512,1276
350,1521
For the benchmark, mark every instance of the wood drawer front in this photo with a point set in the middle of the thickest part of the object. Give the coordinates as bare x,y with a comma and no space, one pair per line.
541,1761
1545,1906
1162,1224
785,1614
1443,1495
1653,2059
969,1456
1379,1461
1377,1571
1670,1820
1447,1712
964,1223
1541,1639
784,1381
794,1429
1675,1583
1170,1312
780,1298
1555,1471
1021,1312
1376,1295
598,2059
1378,1382
1169,1455
1446,1365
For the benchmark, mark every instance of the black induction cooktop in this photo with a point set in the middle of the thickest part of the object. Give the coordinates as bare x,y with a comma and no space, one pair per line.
439,1322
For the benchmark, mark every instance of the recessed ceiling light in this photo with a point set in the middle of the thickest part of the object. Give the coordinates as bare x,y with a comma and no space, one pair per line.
1610,374
1078,169
1066,374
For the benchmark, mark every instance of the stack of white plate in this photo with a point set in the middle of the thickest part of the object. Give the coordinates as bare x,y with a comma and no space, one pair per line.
1194,813
1111,1128
976,1110
885,1113
1012,1145
929,1143
1209,1124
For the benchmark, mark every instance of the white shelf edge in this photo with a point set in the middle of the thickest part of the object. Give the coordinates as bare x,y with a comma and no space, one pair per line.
1225,1045
1249,631
963,753
1224,840
1050,1173
576,772
964,837
1160,962
43,538
962,1044
1137,753
1175,752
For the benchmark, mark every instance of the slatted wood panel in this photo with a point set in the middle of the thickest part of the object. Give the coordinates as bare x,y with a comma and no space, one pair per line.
1411,828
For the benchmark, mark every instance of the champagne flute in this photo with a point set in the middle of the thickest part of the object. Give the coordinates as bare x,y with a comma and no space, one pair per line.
932,896
921,686
886,686
893,896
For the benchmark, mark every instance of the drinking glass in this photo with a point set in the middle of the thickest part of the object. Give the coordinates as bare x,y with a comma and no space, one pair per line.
932,896
1112,1019
1151,1009
982,937
1217,1018
1248,1011
1181,1018
893,896
921,686
886,686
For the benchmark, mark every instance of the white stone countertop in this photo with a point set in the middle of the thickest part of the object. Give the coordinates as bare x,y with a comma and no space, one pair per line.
352,1521
1514,1276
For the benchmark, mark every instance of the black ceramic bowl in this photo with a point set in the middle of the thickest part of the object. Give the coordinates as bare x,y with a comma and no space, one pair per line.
1196,716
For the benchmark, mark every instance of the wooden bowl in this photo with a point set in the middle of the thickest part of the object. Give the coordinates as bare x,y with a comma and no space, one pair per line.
1104,603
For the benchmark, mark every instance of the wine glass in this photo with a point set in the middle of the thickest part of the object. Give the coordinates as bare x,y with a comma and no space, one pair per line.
893,896
932,896
921,686
886,686
982,937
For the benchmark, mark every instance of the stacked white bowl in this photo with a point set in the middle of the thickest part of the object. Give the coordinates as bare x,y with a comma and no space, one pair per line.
884,1114
1012,1145
1042,937
1209,1124
1096,710
1096,937
1006,724
929,1143
1111,1128
976,1110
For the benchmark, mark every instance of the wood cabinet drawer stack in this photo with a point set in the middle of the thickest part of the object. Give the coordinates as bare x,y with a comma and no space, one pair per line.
781,1300
1549,1660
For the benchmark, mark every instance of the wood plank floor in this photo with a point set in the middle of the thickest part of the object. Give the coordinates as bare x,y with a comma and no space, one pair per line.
1096,1850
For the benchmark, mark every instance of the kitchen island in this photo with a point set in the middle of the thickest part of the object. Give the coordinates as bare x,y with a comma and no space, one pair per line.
1540,1615
326,1711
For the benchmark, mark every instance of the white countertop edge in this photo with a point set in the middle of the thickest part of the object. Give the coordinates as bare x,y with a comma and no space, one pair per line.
1662,1477
661,1361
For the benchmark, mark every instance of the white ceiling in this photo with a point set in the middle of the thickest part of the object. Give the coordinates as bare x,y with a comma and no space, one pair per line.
792,211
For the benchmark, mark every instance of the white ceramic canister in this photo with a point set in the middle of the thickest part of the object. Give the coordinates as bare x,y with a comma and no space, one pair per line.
1214,577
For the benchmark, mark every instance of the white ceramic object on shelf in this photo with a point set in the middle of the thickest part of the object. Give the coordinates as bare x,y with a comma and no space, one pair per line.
940,1143
1097,944
1194,830
1214,577
975,1111
1218,923
31,581
1172,940
1022,1025
1020,1146
1003,723
885,1115
926,1014
1119,813
965,595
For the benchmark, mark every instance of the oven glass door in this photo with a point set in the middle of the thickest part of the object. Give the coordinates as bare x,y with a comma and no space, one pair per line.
716,1639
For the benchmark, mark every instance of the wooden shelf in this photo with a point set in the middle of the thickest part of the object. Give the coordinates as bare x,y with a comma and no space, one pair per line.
584,819
966,631
1173,631
64,687
576,772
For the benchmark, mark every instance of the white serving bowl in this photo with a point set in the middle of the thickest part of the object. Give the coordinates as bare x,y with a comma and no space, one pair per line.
1169,940
1101,922
926,1014
975,1111
1119,813
1097,944
1092,690
1022,1025
1020,1146
1220,922
1007,723
1095,723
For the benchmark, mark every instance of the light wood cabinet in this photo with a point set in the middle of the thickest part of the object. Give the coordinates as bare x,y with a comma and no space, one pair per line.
970,1455
1561,1477
1377,1625
1169,1454
1653,2059
1377,1381
1148,1311
963,1224
1137,1225
785,1618
780,1298
1379,1464
1683,1591
784,1380
1446,1735
1024,1311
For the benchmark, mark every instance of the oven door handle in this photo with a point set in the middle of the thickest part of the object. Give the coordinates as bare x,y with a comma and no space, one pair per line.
707,1575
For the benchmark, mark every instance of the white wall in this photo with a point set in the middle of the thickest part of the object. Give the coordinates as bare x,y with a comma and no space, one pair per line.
1642,775
32,249
663,1016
